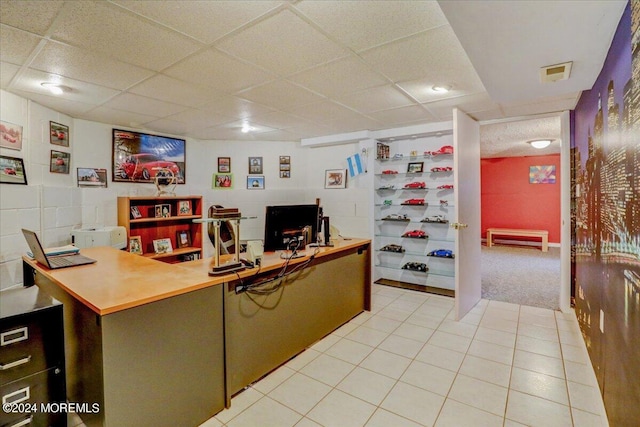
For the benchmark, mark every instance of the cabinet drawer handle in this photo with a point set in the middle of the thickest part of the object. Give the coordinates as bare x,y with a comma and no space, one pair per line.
14,336
17,396
24,422
5,366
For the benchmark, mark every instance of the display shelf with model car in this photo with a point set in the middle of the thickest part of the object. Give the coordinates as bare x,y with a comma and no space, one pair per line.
413,202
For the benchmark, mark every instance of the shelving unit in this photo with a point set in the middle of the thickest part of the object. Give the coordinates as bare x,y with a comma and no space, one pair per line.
399,210
150,228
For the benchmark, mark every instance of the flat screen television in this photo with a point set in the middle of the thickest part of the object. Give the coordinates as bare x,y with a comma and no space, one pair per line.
282,223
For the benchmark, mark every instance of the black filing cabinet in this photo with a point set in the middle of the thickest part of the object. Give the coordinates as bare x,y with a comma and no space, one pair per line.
32,378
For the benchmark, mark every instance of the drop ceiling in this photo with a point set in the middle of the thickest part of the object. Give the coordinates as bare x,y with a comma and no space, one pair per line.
301,69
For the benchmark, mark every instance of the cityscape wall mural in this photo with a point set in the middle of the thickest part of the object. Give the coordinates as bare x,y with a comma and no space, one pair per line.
606,221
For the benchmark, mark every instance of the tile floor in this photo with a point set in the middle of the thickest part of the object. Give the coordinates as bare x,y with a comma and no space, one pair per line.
408,363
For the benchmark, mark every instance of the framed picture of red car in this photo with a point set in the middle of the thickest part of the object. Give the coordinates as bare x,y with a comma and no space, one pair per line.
415,167
59,162
59,134
12,171
139,157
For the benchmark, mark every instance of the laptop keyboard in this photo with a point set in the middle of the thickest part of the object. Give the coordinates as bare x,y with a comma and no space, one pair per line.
60,262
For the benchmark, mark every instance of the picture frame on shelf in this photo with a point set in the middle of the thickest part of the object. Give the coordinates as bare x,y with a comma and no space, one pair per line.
135,212
162,246
255,182
184,208
224,164
10,136
135,245
415,167
59,162
255,165
92,177
222,181
12,171
335,178
58,134
183,239
163,211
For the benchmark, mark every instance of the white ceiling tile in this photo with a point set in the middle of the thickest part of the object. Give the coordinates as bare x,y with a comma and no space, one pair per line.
278,135
74,108
143,105
464,82
175,91
32,16
325,112
280,95
277,120
205,21
196,119
443,109
219,71
82,64
167,126
364,24
375,99
106,28
15,45
560,103
240,124
233,106
118,117
220,133
396,116
7,72
284,44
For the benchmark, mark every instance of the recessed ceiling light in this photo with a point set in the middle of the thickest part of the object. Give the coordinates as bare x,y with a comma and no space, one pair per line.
441,88
246,128
55,88
540,143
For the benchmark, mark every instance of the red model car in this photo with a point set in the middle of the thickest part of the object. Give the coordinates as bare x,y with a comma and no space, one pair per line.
445,187
146,166
389,172
9,171
415,234
445,149
415,185
442,169
413,202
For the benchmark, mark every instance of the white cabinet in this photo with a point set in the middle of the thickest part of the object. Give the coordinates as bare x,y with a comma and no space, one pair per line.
413,209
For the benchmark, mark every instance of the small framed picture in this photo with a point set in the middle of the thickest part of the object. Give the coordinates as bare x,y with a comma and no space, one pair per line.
59,162
10,136
162,246
222,181
285,174
255,182
12,170
335,178
91,177
224,164
183,238
59,134
163,211
135,212
184,207
415,167
135,245
255,165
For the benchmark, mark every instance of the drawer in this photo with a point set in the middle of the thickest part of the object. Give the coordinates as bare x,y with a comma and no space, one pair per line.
30,344
43,387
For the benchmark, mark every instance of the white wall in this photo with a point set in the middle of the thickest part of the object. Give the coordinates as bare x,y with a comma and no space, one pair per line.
53,205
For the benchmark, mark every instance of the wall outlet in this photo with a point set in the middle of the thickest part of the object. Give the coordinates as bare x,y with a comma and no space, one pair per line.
602,321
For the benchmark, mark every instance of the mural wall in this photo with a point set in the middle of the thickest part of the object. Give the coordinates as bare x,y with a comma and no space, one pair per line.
606,216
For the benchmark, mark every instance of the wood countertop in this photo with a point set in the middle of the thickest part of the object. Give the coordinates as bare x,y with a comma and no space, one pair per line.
121,280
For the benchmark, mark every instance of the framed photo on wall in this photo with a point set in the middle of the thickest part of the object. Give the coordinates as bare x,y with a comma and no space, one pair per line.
415,167
92,177
224,164
255,165
59,134
335,178
12,171
255,182
222,181
285,166
59,162
10,136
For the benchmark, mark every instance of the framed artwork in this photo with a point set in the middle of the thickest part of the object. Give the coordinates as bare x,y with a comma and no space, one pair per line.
135,212
162,246
255,165
285,174
162,211
183,239
135,245
255,182
59,162
222,181
12,171
59,134
415,167
184,208
140,157
542,174
224,164
10,136
335,178
92,177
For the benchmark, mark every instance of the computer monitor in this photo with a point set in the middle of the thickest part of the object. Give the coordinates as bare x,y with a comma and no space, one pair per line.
283,223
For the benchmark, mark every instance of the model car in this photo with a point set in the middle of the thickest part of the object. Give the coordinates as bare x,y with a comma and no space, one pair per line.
415,185
388,202
387,187
9,171
441,253
413,202
415,266
392,248
397,156
415,234
442,169
444,203
436,218
389,172
445,187
445,149
146,166
396,217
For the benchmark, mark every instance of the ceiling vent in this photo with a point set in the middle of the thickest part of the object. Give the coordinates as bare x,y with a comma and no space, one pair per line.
554,73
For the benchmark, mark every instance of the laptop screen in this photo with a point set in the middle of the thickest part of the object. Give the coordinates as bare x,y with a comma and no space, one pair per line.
36,247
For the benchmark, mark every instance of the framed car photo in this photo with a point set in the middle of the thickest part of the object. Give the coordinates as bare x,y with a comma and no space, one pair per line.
12,171
59,162
59,134
415,167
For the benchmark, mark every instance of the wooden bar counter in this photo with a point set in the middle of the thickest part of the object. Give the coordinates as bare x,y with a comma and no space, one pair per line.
167,344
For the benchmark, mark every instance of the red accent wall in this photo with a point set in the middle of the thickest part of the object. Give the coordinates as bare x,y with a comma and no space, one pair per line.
509,201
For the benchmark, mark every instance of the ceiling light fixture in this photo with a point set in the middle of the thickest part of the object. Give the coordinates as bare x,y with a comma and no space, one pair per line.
246,128
55,88
441,88
540,143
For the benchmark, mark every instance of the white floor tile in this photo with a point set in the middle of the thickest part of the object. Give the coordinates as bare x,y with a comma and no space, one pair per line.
414,332
535,345
383,324
402,346
575,353
239,403
300,393
479,394
274,379
486,370
266,412
367,385
385,363
382,418
540,332
490,351
584,397
367,336
327,369
458,328
585,419
580,373
539,363
339,409
535,411
450,341
306,422
429,377
505,339
349,351
541,385
413,403
510,326
302,359
441,357
456,414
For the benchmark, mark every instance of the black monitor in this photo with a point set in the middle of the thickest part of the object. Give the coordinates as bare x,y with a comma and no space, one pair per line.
283,223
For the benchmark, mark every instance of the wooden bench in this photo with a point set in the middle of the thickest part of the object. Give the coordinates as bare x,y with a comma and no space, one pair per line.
543,234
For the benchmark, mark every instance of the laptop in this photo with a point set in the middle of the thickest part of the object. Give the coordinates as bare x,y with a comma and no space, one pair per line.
53,261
